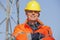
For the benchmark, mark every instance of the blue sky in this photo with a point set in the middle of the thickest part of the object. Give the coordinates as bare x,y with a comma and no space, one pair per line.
50,14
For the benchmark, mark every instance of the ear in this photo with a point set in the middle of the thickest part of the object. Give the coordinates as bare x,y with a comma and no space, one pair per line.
25,12
38,14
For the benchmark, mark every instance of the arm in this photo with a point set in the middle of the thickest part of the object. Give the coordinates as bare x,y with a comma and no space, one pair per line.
49,35
16,31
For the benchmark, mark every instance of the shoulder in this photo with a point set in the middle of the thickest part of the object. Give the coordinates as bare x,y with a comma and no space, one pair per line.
19,26
46,27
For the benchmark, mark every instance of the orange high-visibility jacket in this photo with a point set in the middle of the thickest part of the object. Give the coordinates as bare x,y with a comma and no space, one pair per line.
22,32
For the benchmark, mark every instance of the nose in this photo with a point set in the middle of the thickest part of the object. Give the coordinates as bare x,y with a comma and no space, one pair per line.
33,13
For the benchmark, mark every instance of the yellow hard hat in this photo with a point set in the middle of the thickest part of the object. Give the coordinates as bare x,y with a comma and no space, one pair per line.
33,5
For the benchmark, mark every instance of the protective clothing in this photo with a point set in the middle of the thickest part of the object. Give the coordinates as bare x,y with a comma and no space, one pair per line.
25,32
33,5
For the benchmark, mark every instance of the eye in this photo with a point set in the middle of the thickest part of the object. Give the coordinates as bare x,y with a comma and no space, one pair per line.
36,12
30,11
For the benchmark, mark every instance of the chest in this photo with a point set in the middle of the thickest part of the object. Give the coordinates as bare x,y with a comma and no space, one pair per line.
39,30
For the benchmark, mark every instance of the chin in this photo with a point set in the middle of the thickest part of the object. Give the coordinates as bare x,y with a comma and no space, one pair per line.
33,19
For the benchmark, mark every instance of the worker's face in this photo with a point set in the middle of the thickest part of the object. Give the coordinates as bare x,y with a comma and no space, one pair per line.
32,15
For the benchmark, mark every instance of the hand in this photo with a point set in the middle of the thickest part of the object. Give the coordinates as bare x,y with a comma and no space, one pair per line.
41,36
37,36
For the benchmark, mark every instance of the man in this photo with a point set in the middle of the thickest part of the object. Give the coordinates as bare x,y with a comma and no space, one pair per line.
33,28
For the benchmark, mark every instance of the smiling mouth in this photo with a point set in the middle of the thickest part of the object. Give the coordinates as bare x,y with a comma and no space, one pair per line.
33,16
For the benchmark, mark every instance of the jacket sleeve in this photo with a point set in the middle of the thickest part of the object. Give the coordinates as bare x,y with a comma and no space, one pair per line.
49,35
16,31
